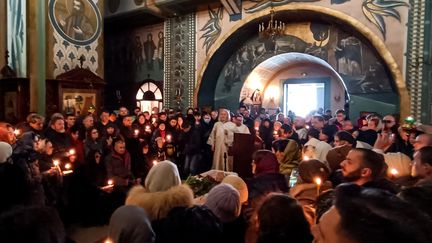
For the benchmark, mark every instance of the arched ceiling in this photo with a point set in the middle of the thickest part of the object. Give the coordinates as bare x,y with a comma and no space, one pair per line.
272,66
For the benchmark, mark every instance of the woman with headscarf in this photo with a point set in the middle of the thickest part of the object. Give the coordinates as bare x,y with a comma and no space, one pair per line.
130,224
288,154
162,191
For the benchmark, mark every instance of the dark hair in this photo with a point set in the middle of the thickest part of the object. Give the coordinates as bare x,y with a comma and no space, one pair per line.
346,136
420,197
287,128
36,224
313,133
373,161
323,203
279,145
376,216
190,224
426,155
340,111
89,132
281,219
319,118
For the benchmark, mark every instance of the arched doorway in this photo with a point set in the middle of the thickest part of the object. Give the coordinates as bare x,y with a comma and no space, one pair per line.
310,82
372,80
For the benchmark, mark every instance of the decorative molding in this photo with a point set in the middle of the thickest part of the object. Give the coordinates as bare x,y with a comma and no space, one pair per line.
263,4
414,74
179,73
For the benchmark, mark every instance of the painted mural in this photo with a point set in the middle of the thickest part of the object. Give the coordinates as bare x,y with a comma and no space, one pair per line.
77,21
212,28
132,56
361,69
77,26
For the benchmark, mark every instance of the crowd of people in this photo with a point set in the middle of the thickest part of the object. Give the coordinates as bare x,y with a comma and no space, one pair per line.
319,178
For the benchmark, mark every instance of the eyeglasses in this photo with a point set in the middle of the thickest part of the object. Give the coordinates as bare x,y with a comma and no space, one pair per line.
387,121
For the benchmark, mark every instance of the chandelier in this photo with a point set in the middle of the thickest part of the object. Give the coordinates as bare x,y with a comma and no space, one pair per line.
274,28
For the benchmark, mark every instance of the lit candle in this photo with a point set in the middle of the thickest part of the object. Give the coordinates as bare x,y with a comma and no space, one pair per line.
306,157
68,170
153,120
274,132
110,182
256,128
16,132
108,240
393,173
307,127
56,163
154,162
136,132
147,128
168,138
67,166
318,183
72,151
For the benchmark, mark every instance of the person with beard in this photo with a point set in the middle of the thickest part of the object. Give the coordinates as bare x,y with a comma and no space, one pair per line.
366,168
56,133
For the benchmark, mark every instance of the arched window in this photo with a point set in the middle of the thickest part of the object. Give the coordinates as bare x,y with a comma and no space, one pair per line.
149,95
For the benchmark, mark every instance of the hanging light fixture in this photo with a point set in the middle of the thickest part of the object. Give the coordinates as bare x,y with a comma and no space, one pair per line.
274,28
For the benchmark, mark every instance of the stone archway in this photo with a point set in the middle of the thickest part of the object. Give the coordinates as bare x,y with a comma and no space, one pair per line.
219,56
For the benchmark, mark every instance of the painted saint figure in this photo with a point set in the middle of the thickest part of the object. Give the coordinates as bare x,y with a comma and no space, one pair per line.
149,51
77,26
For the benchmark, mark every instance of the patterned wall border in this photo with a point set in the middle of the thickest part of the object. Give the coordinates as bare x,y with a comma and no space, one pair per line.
179,73
415,50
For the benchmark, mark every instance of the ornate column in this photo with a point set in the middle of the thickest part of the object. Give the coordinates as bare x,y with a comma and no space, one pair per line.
179,73
415,60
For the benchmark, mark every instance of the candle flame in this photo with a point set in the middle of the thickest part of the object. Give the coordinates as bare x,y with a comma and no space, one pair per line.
394,172
16,132
56,162
307,127
72,151
275,132
154,162
108,240
318,181
256,128
306,157
136,131
68,166
110,182
168,137
147,127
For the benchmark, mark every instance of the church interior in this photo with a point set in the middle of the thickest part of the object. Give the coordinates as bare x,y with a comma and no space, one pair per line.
271,57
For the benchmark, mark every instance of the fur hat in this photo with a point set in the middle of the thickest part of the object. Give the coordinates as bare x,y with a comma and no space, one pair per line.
336,155
239,184
309,169
224,201
5,151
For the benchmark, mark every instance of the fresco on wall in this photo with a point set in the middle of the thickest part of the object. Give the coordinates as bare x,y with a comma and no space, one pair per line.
77,21
376,10
233,8
17,36
77,26
135,55
212,28
361,69
263,4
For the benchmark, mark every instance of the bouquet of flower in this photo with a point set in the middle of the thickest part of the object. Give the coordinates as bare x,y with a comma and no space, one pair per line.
201,185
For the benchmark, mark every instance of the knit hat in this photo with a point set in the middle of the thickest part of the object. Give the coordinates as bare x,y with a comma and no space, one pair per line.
162,177
5,151
310,169
336,155
239,184
224,201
